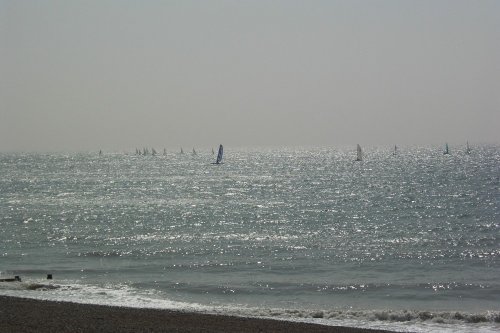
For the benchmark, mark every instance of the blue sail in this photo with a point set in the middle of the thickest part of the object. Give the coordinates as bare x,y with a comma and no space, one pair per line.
219,155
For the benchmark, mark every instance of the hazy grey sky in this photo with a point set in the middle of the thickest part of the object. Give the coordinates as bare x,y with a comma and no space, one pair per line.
115,75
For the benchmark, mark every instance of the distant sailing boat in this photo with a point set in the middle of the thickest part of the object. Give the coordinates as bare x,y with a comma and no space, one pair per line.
359,157
219,155
164,151
182,151
446,150
194,152
395,150
467,151
153,152
213,151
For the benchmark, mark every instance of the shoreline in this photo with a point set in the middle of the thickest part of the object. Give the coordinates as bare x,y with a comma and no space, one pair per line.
23,315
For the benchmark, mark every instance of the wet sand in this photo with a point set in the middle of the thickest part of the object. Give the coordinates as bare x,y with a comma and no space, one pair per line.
27,315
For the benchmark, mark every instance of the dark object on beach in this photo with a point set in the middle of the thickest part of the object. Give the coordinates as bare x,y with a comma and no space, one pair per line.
16,278
49,276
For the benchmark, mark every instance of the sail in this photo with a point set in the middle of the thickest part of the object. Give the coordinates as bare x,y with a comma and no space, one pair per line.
395,150
360,154
194,152
446,150
219,155
182,151
468,148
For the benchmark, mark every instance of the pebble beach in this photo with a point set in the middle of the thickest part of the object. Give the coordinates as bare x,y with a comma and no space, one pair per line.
24,315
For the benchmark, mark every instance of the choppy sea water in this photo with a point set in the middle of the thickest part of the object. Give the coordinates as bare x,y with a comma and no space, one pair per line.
408,242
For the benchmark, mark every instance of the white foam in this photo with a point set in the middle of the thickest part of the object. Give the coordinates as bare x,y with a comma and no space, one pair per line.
76,292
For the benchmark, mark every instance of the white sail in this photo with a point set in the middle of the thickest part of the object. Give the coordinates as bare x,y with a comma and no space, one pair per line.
360,154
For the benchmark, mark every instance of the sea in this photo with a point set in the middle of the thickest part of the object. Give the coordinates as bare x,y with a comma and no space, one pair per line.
407,240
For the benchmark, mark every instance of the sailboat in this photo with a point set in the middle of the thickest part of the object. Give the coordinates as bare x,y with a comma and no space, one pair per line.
182,151
164,151
153,152
219,155
395,150
359,157
213,151
446,150
194,152
467,151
